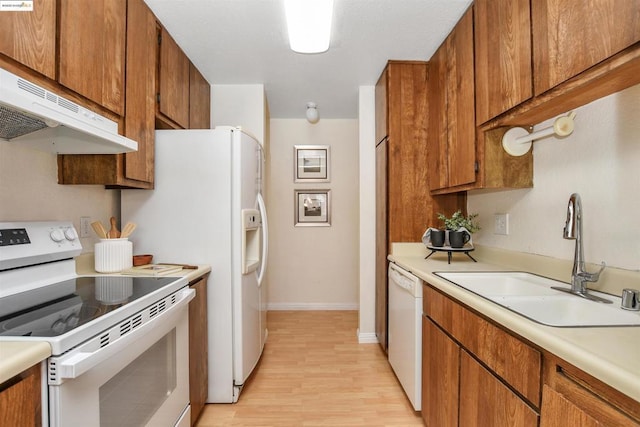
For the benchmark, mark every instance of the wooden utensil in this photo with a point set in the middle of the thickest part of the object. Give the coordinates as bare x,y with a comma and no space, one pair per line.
127,230
114,233
99,229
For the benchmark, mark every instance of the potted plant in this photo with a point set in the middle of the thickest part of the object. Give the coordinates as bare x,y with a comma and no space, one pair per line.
453,225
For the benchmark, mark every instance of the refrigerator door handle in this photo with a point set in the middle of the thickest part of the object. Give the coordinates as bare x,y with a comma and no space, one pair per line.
265,239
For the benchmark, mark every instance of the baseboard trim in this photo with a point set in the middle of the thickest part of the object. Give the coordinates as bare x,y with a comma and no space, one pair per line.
367,338
311,306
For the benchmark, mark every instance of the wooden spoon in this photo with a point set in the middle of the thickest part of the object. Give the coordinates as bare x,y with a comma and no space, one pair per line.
99,229
114,233
127,230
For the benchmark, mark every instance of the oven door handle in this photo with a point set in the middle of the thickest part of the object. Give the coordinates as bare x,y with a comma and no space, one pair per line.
77,364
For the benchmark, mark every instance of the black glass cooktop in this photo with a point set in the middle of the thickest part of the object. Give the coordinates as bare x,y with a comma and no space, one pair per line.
56,309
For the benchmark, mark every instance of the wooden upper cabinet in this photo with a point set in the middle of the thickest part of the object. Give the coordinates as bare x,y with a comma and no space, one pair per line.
570,36
141,89
502,55
174,82
199,100
437,131
92,37
30,37
452,148
382,112
130,170
461,123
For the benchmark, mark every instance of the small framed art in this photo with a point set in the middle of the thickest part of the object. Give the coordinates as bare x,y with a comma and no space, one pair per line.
311,163
312,208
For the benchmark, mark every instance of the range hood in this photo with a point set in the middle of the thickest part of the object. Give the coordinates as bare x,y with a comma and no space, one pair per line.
37,118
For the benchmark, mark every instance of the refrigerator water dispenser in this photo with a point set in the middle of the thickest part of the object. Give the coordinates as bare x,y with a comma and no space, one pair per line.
251,222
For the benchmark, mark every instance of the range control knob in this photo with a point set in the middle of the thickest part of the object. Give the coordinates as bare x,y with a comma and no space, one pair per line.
57,235
71,234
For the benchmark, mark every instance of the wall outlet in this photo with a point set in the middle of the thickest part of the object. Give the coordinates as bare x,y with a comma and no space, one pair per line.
85,226
501,224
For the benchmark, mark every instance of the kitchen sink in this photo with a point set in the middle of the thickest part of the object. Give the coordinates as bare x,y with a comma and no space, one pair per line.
532,296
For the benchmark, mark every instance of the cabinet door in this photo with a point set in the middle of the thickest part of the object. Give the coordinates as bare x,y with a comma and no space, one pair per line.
461,124
502,56
130,170
199,100
486,401
437,131
198,349
20,401
174,81
30,37
451,141
382,112
92,50
381,244
440,377
571,36
141,88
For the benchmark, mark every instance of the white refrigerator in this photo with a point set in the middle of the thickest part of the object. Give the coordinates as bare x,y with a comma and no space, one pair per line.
207,208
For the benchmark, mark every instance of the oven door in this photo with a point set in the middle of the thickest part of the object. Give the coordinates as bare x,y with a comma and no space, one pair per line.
135,374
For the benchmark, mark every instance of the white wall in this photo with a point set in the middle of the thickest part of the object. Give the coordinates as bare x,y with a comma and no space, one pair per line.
29,192
367,124
313,267
601,162
240,105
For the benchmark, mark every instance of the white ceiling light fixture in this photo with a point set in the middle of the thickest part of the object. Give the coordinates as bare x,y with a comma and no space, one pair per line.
309,24
312,112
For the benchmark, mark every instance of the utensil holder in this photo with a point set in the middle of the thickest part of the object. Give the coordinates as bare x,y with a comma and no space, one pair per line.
113,255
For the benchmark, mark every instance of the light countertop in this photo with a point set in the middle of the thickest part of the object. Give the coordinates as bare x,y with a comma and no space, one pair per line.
16,357
610,354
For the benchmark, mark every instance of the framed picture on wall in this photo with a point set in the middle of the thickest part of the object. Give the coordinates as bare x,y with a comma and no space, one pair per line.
311,163
312,208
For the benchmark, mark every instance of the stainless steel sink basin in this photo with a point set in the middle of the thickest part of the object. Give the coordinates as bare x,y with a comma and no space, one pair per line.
531,296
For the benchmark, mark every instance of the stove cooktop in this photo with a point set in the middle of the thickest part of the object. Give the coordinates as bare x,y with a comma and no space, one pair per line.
68,312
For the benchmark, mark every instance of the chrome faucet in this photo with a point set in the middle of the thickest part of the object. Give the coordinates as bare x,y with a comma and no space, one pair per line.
579,274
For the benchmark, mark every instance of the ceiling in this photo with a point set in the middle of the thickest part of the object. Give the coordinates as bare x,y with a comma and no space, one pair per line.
245,42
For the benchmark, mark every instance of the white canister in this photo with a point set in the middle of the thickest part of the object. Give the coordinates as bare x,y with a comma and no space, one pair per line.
113,255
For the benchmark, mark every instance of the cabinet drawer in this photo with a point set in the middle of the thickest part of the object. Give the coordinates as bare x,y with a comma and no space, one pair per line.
511,359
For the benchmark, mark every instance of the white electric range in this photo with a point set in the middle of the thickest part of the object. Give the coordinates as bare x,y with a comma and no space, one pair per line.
119,343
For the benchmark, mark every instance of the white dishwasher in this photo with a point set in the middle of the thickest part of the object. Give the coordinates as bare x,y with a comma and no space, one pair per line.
405,331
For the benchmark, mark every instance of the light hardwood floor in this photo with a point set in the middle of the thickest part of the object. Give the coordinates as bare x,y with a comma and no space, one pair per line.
313,372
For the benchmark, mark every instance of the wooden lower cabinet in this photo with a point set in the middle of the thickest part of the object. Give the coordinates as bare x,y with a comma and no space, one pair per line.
571,397
440,377
477,373
486,401
20,400
458,391
198,349
473,372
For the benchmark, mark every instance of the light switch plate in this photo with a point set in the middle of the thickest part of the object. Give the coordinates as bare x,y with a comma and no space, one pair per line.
501,224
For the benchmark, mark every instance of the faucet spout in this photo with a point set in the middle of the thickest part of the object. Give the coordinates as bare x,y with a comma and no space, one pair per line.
573,231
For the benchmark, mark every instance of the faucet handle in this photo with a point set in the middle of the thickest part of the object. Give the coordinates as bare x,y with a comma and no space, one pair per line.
592,277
